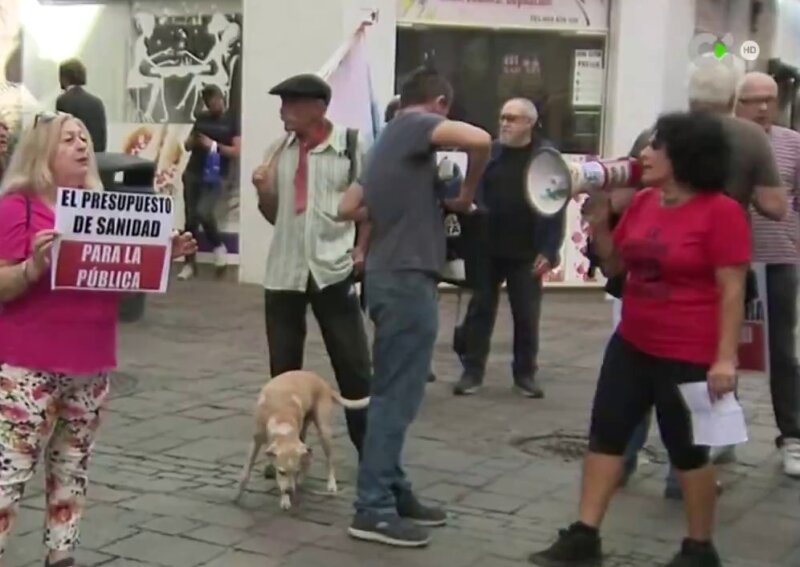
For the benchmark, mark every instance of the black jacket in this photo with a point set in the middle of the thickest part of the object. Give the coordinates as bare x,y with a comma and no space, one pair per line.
89,109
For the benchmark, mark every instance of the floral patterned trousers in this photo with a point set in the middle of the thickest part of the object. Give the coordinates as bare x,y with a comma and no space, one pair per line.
64,412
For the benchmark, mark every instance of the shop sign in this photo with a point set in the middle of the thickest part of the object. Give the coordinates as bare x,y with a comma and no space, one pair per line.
584,15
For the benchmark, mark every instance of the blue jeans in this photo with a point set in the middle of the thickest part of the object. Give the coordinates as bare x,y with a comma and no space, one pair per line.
404,310
636,444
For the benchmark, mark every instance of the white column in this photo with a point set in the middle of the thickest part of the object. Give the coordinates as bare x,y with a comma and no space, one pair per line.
648,66
297,37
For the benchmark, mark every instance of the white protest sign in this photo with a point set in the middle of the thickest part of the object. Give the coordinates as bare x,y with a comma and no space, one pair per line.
112,241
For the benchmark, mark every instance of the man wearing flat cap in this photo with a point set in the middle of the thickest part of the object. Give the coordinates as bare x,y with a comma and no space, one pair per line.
311,257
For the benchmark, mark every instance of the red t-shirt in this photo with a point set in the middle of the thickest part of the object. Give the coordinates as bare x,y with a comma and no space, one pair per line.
670,303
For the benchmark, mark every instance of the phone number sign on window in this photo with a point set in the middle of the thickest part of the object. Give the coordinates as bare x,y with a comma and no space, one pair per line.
564,14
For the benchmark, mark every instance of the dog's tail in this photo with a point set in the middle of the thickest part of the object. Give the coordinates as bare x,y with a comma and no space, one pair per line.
349,404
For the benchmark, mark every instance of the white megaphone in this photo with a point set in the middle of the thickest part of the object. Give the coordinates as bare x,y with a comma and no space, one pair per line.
552,180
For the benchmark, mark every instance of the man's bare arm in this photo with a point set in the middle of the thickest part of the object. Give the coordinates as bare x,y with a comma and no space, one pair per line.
771,202
477,143
351,207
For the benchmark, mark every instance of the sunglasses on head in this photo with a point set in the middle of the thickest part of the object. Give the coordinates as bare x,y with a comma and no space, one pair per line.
46,117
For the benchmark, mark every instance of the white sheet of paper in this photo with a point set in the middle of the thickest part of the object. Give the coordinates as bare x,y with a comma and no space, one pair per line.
716,424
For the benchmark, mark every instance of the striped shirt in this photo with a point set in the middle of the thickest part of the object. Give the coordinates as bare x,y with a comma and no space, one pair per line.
313,243
776,242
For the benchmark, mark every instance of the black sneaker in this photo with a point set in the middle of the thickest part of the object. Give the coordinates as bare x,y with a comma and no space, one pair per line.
410,508
431,377
528,387
467,386
577,546
696,554
389,530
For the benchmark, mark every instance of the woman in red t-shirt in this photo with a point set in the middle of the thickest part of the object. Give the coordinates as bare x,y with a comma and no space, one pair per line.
685,247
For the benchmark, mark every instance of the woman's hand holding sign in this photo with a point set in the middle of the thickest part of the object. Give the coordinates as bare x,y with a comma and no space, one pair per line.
40,257
183,244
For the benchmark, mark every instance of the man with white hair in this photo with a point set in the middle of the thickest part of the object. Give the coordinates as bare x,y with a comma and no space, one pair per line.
512,244
776,245
753,180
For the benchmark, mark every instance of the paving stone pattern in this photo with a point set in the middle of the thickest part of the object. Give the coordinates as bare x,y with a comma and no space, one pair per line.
176,431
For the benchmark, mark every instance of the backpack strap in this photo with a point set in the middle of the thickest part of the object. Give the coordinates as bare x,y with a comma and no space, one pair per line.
28,220
351,148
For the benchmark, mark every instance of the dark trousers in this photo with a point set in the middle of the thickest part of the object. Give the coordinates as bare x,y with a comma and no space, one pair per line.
403,306
524,295
338,314
784,372
200,204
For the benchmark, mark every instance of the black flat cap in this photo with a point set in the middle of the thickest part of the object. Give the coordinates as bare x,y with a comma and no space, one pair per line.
303,86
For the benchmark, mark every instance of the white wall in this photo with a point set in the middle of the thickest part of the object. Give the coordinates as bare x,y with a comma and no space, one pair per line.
648,66
94,33
787,36
276,46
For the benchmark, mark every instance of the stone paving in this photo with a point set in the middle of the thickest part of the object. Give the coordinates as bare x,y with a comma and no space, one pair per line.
177,429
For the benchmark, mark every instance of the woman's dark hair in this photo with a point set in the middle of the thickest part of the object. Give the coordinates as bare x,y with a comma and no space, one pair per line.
424,85
698,148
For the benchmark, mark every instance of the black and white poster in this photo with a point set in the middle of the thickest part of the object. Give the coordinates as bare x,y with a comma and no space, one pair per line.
174,57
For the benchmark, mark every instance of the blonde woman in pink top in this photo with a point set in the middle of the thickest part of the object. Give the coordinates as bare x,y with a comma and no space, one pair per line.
56,347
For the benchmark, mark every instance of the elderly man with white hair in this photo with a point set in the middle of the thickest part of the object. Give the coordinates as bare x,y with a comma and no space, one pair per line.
753,180
776,245
512,244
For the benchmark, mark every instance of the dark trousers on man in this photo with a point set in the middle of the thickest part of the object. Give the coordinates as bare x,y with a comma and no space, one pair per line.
524,295
403,307
782,284
200,204
337,311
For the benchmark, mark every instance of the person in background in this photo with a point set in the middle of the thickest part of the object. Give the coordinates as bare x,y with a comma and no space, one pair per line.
80,103
753,181
215,130
514,245
398,193
776,245
311,255
57,347
685,247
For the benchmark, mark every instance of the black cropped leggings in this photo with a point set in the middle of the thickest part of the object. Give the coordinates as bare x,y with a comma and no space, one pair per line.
631,383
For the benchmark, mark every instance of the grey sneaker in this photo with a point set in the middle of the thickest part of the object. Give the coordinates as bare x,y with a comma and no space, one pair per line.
410,508
389,530
467,386
528,386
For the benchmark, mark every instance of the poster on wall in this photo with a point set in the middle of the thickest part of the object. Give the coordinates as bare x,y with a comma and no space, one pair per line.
587,78
163,143
586,15
574,267
174,57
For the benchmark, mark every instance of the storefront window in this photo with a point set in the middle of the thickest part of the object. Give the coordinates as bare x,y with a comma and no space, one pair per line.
562,73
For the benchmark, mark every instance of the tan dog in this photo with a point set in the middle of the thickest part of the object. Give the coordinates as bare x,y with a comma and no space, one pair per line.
286,406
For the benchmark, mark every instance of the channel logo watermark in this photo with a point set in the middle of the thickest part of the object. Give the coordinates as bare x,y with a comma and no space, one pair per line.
706,47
